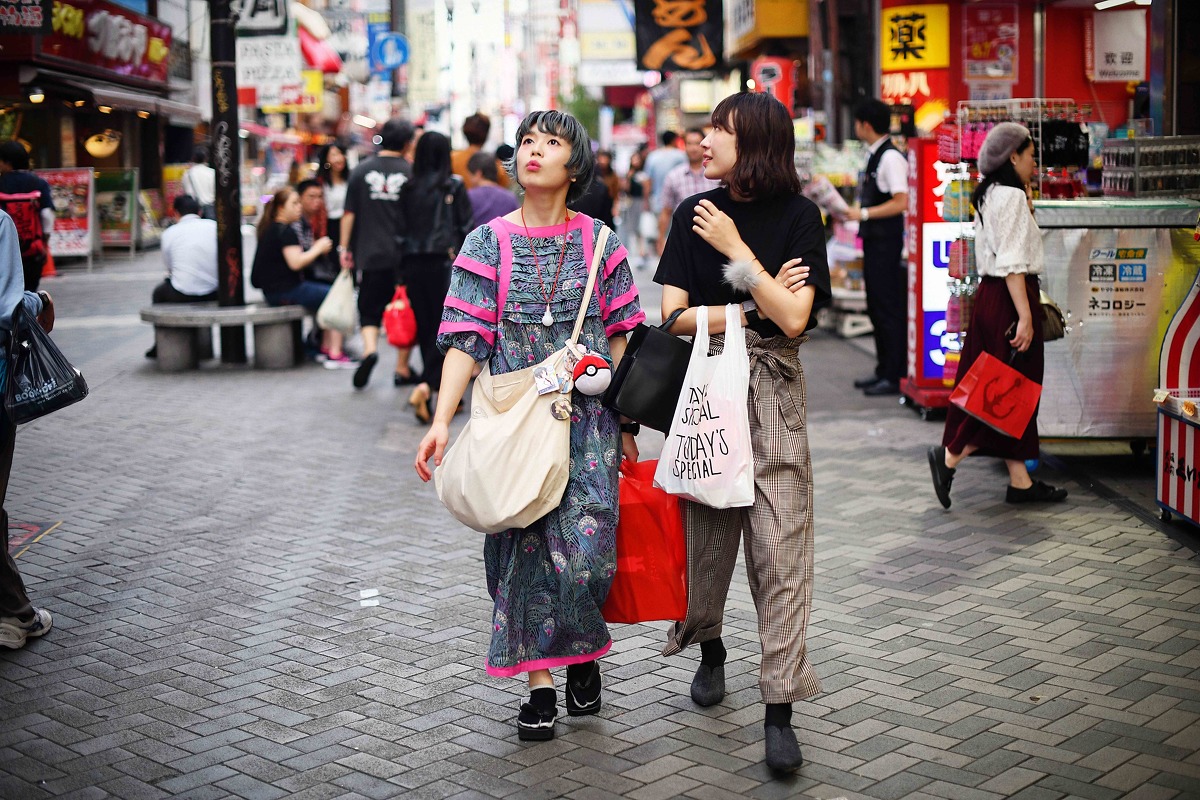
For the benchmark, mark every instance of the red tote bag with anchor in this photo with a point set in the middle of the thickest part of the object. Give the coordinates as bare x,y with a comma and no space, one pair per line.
997,395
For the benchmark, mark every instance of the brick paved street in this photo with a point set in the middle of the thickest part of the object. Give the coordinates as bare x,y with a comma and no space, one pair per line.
254,597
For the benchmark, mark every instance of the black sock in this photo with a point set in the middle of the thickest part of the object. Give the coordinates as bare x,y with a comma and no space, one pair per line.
712,652
543,698
779,715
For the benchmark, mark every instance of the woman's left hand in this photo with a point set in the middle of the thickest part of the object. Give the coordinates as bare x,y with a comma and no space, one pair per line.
629,447
1024,335
716,228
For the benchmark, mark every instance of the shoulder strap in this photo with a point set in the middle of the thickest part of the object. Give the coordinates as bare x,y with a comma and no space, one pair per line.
597,257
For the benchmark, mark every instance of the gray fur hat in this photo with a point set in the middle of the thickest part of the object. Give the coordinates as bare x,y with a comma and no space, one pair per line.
1001,142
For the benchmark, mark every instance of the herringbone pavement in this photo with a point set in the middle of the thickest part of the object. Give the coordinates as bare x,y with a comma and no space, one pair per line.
254,597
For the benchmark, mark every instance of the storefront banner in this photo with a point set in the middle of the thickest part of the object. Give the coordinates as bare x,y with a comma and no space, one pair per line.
679,34
150,217
926,90
261,17
29,17
1119,45
110,38
379,24
74,217
777,77
116,205
990,40
914,38
172,184
268,67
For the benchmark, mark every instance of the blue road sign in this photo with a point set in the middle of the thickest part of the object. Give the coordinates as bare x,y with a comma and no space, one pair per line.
389,51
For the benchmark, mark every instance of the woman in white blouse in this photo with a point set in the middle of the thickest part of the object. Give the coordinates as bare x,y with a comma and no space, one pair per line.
1007,314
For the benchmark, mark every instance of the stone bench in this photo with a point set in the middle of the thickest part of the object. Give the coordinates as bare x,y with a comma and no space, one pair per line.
183,332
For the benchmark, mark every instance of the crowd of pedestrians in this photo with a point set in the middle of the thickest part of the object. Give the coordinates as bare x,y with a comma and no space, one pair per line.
494,253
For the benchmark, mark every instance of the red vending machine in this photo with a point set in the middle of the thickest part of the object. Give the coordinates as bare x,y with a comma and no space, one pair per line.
928,237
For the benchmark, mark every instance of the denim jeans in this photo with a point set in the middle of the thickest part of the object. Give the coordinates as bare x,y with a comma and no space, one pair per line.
309,294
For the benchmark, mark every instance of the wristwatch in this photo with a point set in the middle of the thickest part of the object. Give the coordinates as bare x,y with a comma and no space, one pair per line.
341,249
865,214
631,427
44,296
750,309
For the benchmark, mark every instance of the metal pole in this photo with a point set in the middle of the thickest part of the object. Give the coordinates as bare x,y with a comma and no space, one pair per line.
227,160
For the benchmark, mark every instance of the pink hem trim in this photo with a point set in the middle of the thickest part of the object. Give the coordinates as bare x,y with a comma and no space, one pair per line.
467,327
546,663
619,255
625,324
485,314
545,230
479,268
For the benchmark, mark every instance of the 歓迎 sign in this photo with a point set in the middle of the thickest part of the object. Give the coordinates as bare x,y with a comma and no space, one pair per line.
30,17
109,37
914,37
679,34
1119,45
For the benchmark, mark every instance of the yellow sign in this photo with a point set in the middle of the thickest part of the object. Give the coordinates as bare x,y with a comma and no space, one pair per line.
308,98
914,37
752,21
607,46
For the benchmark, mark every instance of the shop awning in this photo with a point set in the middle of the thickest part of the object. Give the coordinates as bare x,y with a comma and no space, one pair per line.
108,94
175,111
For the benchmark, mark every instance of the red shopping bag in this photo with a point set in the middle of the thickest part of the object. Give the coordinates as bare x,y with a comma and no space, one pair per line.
997,395
399,320
651,579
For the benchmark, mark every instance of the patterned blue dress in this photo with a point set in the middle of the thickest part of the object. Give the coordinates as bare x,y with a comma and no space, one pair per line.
548,581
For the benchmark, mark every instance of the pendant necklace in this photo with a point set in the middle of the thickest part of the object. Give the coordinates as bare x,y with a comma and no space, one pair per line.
547,318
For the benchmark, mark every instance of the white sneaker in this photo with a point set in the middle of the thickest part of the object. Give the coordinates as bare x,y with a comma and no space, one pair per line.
14,633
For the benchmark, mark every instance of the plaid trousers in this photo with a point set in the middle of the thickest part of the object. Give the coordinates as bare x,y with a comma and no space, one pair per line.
778,530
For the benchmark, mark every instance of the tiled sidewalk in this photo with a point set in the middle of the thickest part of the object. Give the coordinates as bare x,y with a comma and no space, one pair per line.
215,633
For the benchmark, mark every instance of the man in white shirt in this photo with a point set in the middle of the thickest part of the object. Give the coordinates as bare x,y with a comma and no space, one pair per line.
200,181
883,199
189,250
659,164
683,182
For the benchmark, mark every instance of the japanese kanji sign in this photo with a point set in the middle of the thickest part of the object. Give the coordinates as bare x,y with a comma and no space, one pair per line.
679,34
25,16
1120,45
914,37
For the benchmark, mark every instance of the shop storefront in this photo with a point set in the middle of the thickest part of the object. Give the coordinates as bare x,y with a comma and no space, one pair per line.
91,93
1113,200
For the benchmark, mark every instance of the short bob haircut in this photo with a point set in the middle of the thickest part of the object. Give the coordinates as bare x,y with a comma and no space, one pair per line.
581,165
766,145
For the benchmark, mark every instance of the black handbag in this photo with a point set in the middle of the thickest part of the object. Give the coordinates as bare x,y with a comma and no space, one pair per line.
648,380
40,379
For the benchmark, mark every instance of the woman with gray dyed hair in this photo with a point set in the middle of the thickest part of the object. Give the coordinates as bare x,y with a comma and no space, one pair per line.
515,291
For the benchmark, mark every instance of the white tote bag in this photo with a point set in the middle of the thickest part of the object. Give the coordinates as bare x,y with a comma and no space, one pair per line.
707,456
339,310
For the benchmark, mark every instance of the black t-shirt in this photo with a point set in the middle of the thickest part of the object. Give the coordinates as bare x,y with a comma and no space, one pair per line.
373,196
270,271
776,229
596,203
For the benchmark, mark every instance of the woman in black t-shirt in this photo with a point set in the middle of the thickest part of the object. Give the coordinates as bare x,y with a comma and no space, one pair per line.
744,243
280,259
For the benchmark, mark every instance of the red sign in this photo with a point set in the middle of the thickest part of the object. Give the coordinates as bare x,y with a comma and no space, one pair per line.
71,190
926,90
990,43
776,76
114,39
28,17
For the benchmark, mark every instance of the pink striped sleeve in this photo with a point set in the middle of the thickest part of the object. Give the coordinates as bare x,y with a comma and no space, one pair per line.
618,255
625,324
480,269
485,314
621,301
468,327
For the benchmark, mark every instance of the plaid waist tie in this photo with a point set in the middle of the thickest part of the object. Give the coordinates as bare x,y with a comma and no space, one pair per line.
782,366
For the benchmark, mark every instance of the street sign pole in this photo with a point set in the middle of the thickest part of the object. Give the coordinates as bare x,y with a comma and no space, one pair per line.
226,161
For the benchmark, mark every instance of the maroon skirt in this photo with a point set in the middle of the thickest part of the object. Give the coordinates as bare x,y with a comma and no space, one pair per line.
993,315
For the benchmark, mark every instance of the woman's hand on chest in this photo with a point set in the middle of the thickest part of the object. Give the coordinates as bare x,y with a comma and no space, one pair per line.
716,227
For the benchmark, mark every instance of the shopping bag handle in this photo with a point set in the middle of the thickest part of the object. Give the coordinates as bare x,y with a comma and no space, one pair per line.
669,321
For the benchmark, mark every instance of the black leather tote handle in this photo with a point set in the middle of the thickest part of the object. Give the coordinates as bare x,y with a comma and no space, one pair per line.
666,326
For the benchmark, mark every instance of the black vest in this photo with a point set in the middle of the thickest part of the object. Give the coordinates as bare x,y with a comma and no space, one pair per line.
870,196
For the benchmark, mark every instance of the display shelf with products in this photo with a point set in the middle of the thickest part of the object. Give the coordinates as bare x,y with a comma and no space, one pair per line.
1163,166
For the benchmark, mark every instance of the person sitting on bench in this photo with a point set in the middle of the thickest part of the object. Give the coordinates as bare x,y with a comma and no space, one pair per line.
189,250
